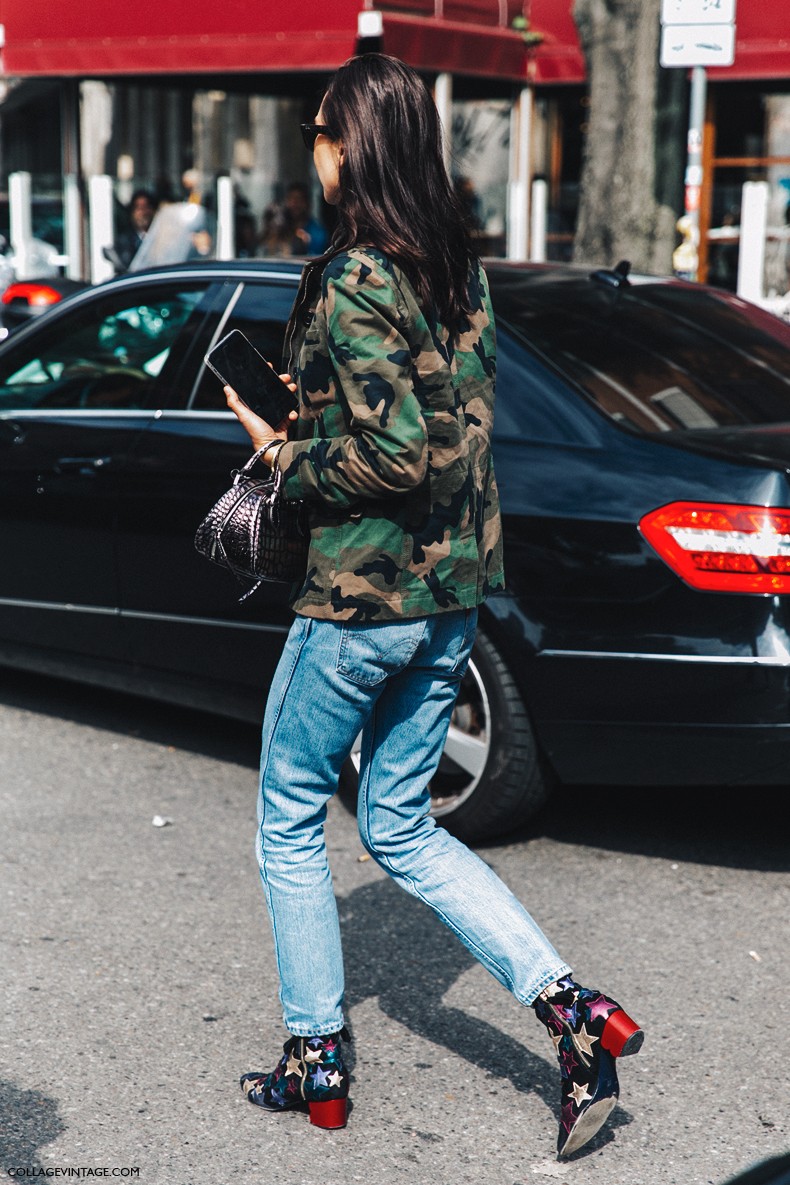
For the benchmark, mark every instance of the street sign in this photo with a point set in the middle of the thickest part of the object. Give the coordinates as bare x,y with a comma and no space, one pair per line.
697,45
696,34
697,12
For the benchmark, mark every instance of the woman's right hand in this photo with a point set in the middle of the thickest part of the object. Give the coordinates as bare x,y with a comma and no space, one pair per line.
258,429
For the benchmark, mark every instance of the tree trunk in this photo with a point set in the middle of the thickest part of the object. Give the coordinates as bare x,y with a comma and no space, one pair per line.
631,184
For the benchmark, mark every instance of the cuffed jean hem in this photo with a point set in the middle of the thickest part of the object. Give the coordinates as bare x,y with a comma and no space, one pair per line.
315,1030
545,981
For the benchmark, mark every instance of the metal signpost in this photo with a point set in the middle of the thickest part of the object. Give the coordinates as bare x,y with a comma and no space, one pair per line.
696,34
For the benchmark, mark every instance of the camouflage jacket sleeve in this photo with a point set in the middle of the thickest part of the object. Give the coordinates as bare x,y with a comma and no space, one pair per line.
393,455
357,363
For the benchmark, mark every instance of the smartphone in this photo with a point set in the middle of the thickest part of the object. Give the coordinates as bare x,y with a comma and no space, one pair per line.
236,363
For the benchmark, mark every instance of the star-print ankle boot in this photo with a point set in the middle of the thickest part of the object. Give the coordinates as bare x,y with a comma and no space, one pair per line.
310,1076
589,1031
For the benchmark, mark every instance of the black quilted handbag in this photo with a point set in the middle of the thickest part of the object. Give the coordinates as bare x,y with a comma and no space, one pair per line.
255,532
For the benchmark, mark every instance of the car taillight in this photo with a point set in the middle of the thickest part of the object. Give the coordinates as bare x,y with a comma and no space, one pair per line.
721,547
32,294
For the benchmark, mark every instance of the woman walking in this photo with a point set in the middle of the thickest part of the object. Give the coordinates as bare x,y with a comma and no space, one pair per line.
393,349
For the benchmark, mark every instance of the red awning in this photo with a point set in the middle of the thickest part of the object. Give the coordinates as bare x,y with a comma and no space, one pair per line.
459,48
762,47
557,58
762,41
94,37
97,38
474,37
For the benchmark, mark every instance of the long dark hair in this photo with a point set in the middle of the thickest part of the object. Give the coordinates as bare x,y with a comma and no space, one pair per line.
395,192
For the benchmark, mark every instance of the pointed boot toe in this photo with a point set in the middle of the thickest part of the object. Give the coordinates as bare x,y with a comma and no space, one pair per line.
587,1103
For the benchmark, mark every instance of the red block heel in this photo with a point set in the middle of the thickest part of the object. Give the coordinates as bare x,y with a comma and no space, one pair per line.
331,1114
621,1036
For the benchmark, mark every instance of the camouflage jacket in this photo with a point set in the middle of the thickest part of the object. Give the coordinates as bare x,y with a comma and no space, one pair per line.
392,453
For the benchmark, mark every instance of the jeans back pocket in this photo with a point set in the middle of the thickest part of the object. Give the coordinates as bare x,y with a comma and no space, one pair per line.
369,654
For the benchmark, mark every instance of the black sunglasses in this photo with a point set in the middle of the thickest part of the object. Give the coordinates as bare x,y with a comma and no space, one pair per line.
311,132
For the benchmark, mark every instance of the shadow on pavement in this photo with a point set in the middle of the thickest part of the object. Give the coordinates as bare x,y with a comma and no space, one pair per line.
395,950
29,1121
114,711
729,826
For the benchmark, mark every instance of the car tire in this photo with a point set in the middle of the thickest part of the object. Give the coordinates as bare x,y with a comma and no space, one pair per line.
491,779
513,783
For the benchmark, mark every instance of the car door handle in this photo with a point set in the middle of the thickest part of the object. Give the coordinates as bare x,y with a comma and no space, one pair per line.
84,465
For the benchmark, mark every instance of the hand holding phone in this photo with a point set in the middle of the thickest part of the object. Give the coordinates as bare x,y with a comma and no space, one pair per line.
237,364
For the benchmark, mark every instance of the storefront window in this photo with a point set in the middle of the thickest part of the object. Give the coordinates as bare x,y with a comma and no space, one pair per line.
558,139
199,135
165,144
752,144
481,146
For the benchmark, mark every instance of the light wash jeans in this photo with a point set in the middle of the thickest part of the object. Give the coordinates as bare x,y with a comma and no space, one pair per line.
396,682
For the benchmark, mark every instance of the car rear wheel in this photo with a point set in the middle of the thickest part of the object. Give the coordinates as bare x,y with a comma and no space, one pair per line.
490,779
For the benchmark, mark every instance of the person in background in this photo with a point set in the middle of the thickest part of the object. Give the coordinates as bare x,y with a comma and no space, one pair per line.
289,227
142,208
182,230
202,222
245,228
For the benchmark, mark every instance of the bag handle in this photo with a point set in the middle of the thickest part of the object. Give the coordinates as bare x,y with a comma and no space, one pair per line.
255,457
275,474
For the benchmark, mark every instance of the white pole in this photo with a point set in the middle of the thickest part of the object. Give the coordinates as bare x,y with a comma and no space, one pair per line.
72,226
751,256
443,97
539,221
226,246
101,226
694,171
518,186
20,215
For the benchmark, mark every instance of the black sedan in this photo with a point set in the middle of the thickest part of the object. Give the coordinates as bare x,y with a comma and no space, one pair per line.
642,446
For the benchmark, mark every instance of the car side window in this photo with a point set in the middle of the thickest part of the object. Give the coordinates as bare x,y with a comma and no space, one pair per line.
108,354
261,312
532,403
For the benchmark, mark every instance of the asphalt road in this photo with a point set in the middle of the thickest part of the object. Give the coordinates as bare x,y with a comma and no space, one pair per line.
139,979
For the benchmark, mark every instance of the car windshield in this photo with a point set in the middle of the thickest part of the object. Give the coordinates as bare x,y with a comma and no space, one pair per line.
655,357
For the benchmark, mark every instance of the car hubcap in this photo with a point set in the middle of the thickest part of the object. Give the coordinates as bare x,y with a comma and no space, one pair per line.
466,750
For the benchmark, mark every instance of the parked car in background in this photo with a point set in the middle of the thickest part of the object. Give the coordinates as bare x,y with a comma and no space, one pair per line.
23,299
43,283
642,447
